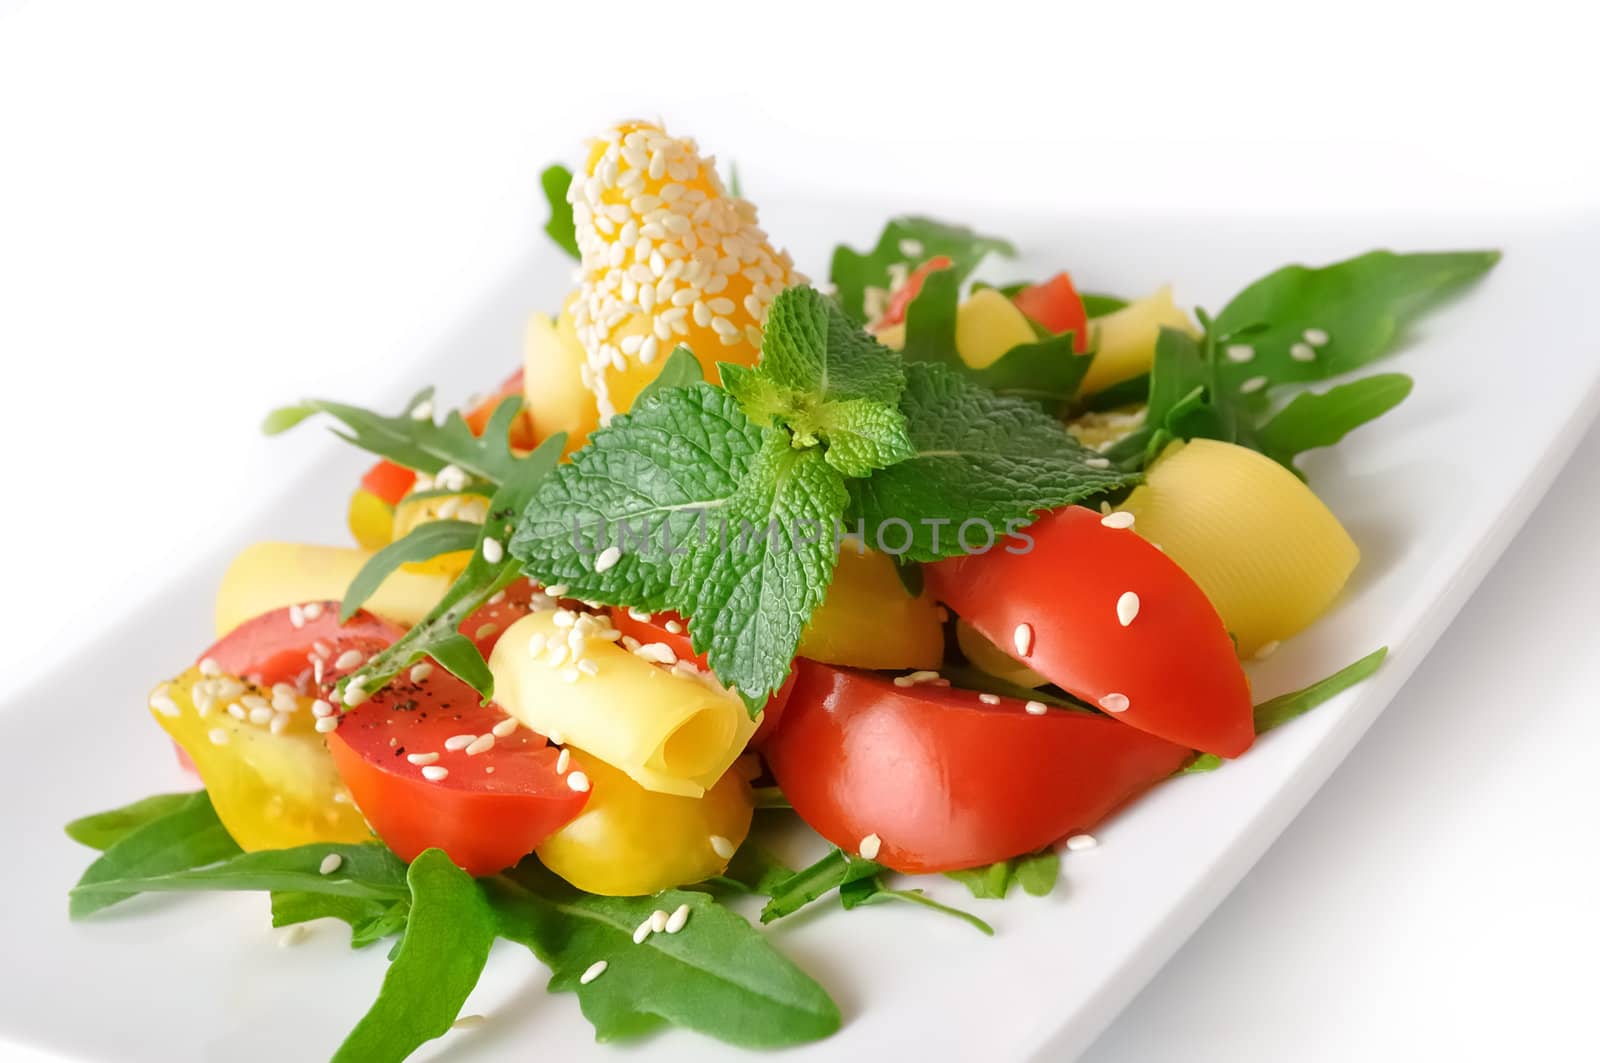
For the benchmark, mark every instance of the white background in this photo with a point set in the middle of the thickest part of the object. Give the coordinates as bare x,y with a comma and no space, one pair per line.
206,209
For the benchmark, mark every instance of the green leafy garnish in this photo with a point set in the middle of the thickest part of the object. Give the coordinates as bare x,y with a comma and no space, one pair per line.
718,976
680,370
873,891
1036,873
906,242
104,829
1099,304
1313,419
446,943
555,181
753,869
188,834
423,543
980,460
370,920
366,870
1285,707
838,868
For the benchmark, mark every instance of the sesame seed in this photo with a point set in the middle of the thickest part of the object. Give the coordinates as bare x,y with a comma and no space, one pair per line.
1253,385
254,701
163,704
455,743
1036,708
1079,842
1267,649
643,930
676,921
279,724
218,736
1127,608
297,616
423,759
536,643
320,648
598,967
321,708
903,681
1239,352
311,610
420,672
658,921
1114,702
556,590
1315,336
209,666
608,557
467,1022
434,773
1097,463
485,630
656,653
564,618
505,728
330,864
673,627
911,248
349,659
1022,639
555,737
870,846
484,743
1118,519
722,847
563,761
327,723
354,693
588,668
493,551
237,711
570,675
292,935
989,699
1303,352
578,781
261,715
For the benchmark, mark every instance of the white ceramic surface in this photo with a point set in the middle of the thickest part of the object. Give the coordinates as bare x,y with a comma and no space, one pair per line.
1432,493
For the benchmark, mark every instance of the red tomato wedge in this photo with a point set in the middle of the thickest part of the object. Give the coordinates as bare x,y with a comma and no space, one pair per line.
490,808
900,299
1170,670
485,625
1055,304
944,780
655,629
388,481
272,648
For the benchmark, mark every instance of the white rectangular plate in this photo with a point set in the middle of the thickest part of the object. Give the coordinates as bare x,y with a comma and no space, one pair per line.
1506,381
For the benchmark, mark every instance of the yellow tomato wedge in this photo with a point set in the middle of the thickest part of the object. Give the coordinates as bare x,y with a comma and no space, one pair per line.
267,576
629,841
371,520
269,774
552,379
986,657
668,258
1263,547
1125,340
868,620
413,511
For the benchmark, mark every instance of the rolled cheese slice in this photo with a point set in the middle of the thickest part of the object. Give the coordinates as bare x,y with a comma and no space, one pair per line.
267,576
669,731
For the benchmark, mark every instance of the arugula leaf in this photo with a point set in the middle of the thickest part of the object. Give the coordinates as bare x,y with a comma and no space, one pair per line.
555,181
365,870
370,920
423,543
965,677
873,891
838,868
1047,371
1362,305
438,635
680,370
826,381
1128,392
187,836
417,443
1285,707
104,829
907,241
718,976
1036,873
446,944
1312,420
753,869
736,529
1100,304
981,459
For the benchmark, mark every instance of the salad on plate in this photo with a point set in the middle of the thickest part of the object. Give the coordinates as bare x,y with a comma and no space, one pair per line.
908,573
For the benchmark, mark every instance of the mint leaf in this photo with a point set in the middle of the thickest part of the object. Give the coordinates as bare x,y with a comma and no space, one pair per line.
1360,307
718,976
416,442
555,181
1285,707
906,242
863,435
366,870
187,836
104,829
446,944
982,460
423,543
1037,874
1312,420
680,370
1047,371
873,891
438,634
714,517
